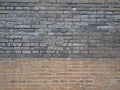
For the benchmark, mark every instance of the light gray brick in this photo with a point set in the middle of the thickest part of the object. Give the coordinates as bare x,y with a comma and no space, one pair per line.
13,37
64,1
22,26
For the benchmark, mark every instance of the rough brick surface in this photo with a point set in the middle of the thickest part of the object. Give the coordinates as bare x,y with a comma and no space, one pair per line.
59,44
59,74
60,28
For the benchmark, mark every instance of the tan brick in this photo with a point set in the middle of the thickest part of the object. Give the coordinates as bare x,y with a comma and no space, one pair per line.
59,74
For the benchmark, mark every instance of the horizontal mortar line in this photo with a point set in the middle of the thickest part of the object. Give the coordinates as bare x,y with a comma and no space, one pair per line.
71,73
76,12
81,86
90,9
43,87
60,78
69,3
78,67
18,4
73,14
78,9
57,2
51,80
85,34
57,59
69,76
60,7
54,83
39,80
80,78
42,83
58,75
65,61
59,72
96,57
87,9
88,33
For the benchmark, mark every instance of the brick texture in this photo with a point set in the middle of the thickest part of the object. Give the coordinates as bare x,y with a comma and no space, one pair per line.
59,44
60,28
59,74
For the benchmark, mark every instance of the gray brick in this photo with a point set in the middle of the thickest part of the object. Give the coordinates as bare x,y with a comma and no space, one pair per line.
51,1
17,44
81,1
50,51
26,51
13,37
59,28
35,51
31,44
64,1
22,48
22,26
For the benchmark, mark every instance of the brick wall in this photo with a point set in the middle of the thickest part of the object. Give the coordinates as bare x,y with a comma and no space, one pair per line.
60,28
59,44
60,74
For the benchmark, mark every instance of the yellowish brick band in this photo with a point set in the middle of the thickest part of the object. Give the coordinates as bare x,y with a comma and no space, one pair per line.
59,74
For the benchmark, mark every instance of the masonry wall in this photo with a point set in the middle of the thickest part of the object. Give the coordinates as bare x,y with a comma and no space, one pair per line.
59,44
60,28
59,74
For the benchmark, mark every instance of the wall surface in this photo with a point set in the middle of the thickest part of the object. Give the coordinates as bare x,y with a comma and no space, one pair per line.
59,44
59,74
60,28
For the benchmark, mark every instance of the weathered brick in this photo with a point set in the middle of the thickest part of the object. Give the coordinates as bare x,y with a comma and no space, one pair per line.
81,1
60,28
22,26
48,1
64,1
60,74
26,51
